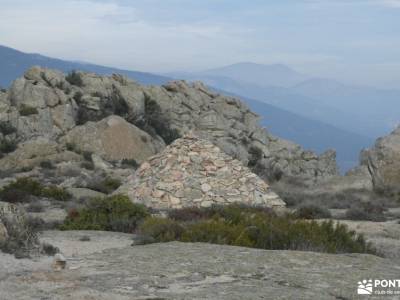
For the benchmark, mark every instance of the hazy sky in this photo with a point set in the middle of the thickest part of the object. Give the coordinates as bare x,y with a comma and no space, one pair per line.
351,40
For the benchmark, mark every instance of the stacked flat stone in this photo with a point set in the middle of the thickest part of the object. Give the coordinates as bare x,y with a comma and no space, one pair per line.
194,172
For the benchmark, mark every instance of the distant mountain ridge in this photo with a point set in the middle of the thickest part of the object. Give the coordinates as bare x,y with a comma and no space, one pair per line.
14,63
310,134
274,75
364,110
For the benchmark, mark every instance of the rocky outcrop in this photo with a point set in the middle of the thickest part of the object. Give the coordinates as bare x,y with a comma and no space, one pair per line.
194,172
383,161
115,118
230,125
113,139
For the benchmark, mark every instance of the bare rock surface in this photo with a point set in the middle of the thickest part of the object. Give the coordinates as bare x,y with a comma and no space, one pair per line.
185,271
113,138
383,161
194,172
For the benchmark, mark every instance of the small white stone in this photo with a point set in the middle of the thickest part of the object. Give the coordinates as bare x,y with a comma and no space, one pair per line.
174,200
59,262
205,187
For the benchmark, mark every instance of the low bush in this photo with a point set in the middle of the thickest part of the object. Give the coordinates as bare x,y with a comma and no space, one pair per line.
366,212
22,237
155,122
7,146
190,214
256,155
87,155
162,229
73,148
21,189
26,110
6,128
78,97
56,193
312,211
116,213
257,228
83,116
49,249
74,78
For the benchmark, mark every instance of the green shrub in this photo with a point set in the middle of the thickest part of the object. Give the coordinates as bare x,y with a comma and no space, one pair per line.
218,232
366,212
21,189
72,147
22,237
56,193
87,155
26,110
6,128
8,146
154,122
74,78
116,213
256,155
78,97
259,228
190,214
162,229
312,211
109,185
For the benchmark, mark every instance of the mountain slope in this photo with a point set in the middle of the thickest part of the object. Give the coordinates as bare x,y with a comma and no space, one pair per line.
311,134
14,63
275,75
380,107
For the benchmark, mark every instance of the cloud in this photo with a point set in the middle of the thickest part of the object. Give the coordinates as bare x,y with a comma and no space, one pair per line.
114,34
168,35
392,3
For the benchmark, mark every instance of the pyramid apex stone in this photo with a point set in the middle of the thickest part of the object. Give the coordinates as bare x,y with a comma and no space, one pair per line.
194,172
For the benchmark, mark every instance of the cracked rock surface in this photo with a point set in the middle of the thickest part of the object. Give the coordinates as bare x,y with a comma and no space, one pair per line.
107,267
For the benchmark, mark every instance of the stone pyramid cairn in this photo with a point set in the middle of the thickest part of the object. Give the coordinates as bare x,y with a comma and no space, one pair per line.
194,172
